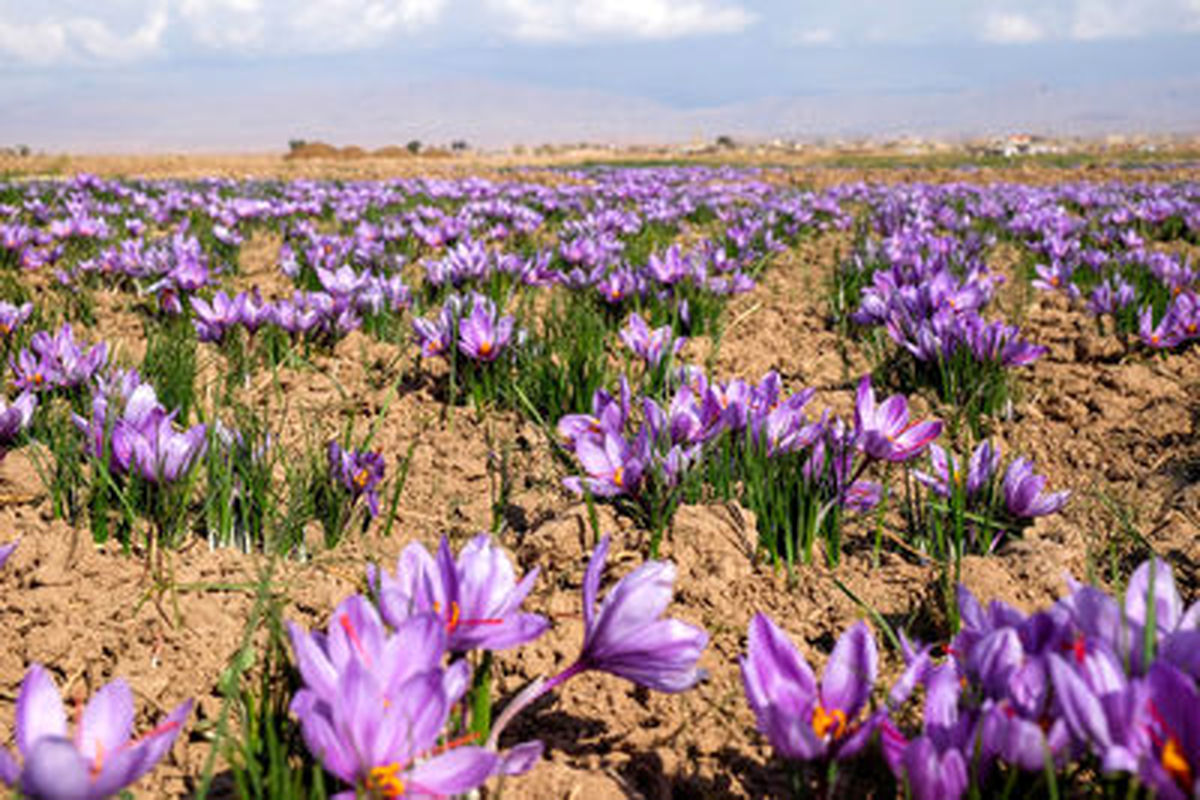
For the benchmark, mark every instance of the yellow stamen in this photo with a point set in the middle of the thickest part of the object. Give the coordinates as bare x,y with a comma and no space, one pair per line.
38,379
385,781
619,476
1176,765
823,721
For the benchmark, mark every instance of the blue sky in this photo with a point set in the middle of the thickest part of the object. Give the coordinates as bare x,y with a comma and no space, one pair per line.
222,74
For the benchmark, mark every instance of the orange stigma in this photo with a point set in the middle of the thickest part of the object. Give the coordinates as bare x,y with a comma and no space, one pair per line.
619,476
1175,763
361,478
826,723
485,348
384,782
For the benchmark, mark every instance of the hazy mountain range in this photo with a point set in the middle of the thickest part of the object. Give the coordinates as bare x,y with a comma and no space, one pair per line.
133,117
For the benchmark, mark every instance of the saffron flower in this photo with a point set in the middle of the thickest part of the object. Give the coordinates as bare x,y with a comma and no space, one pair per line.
385,739
15,417
650,345
801,719
477,596
625,635
1023,495
99,760
614,466
359,471
6,550
484,334
884,429
12,316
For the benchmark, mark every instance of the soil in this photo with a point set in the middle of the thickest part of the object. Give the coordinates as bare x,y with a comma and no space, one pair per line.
1121,431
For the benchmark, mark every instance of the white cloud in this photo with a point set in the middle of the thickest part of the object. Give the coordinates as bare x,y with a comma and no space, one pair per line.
566,20
323,25
307,26
225,24
1003,28
83,37
37,43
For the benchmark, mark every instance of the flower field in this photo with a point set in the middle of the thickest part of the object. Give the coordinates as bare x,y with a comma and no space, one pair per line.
657,482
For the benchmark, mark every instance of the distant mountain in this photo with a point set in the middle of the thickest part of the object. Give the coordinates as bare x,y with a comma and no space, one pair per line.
134,117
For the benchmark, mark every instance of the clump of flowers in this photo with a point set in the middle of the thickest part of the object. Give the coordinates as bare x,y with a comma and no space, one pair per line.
57,361
380,685
978,503
1091,686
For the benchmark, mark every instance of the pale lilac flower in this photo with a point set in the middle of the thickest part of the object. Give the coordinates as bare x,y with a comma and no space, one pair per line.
99,760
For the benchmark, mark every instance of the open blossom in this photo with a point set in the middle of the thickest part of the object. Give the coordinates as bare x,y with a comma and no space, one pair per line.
626,636
801,718
99,760
613,465
884,429
358,471
650,345
12,316
483,334
477,595
374,705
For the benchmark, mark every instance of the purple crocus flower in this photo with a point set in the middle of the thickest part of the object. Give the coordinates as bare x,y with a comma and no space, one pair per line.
483,334
213,319
57,361
981,467
6,550
625,635
162,454
884,430
99,760
359,471
435,336
15,417
650,345
1023,495
801,719
357,634
477,596
1171,765
383,738
614,466
12,316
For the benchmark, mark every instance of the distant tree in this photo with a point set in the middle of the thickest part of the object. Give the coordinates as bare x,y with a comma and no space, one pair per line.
458,146
726,142
414,146
23,150
296,144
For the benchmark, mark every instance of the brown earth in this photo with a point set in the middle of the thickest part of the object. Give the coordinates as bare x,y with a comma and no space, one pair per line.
1121,430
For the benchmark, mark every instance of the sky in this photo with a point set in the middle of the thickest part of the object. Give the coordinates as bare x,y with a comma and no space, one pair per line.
221,75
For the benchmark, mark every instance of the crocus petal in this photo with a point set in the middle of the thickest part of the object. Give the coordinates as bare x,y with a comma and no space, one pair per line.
107,721
850,672
1168,607
591,581
1081,708
521,758
455,772
54,770
40,710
